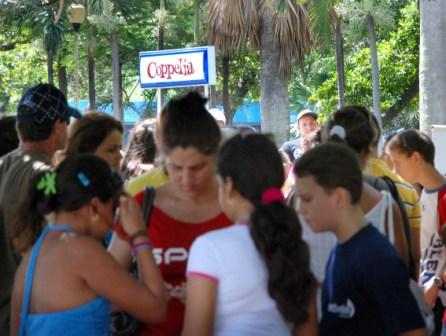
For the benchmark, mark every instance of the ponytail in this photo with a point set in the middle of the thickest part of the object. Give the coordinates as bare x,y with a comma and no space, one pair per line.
277,235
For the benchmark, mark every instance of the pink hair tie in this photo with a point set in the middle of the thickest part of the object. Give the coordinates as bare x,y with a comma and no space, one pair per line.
272,195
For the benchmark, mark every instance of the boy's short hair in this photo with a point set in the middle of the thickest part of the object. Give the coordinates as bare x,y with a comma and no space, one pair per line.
412,140
332,165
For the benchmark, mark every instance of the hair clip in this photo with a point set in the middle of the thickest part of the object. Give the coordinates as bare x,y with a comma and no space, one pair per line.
83,179
339,131
47,183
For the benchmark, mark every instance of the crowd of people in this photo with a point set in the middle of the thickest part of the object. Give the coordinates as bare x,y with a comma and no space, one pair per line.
194,230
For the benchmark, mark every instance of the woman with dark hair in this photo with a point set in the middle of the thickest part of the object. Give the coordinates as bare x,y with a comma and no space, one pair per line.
186,207
141,150
96,133
252,278
67,281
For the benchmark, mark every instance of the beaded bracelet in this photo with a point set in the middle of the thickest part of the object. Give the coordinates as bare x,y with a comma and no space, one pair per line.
140,246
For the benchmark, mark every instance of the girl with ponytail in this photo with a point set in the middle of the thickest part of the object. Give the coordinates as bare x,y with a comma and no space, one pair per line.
67,281
252,278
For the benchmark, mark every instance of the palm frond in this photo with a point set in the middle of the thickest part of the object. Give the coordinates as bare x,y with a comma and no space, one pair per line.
321,15
230,23
293,34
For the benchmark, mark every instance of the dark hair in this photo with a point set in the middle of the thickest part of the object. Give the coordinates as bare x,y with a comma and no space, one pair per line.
358,130
78,179
332,165
254,165
185,122
411,141
141,149
8,135
86,134
31,132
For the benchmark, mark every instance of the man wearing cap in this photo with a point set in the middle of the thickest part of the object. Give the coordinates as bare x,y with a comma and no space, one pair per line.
307,126
42,118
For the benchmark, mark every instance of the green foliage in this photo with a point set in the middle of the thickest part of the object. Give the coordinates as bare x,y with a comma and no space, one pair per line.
19,69
398,62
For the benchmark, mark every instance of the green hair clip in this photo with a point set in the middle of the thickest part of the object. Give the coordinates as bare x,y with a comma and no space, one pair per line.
47,183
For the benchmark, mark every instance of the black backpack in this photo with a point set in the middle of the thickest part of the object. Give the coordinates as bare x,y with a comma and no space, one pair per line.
386,183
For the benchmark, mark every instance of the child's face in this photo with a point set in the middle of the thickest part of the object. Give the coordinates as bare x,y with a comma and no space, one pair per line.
404,165
315,204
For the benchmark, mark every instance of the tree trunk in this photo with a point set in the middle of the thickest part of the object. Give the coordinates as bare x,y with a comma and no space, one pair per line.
375,68
275,116
197,22
116,74
91,67
49,66
161,31
212,96
226,97
432,64
340,62
62,78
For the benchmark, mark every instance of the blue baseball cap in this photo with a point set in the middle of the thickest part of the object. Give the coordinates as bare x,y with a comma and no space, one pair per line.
45,103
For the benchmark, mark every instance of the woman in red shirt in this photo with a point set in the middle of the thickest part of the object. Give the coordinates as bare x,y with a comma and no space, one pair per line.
186,207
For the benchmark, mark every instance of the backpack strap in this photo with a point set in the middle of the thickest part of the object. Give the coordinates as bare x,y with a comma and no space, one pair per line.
147,205
386,183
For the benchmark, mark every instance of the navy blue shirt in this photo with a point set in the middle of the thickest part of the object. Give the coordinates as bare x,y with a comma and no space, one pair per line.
366,289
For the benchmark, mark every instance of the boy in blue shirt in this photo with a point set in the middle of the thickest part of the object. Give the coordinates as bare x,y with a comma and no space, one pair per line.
366,289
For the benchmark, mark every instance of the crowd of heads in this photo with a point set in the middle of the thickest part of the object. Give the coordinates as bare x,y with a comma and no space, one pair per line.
251,163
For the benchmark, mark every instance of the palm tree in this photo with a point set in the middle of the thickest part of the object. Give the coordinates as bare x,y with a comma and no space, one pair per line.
324,17
432,65
364,16
281,30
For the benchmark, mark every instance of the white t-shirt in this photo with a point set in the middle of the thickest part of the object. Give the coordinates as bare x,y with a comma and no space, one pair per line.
244,307
433,221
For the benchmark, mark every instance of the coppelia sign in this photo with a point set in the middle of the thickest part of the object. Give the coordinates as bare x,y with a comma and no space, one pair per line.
177,67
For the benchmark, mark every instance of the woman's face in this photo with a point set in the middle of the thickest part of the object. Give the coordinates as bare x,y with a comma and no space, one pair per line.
191,171
110,149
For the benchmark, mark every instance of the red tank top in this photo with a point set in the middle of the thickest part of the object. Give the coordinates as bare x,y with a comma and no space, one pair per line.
171,240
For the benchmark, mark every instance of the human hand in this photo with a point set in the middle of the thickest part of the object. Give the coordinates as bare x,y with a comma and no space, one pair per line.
129,215
177,292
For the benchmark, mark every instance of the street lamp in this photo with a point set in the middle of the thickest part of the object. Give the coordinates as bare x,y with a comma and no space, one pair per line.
76,15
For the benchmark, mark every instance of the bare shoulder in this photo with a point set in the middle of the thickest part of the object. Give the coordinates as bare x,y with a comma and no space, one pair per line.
83,248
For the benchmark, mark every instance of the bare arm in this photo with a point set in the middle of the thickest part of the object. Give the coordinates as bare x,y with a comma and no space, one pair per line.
147,299
17,298
120,250
201,302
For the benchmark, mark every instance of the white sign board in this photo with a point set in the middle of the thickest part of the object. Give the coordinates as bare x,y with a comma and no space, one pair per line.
177,68
439,140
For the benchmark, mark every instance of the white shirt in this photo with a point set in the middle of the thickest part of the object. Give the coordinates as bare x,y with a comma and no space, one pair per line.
244,307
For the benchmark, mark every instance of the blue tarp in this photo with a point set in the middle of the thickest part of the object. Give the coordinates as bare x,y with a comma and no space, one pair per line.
248,113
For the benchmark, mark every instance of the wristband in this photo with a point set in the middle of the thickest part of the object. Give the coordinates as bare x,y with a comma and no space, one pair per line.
139,246
139,233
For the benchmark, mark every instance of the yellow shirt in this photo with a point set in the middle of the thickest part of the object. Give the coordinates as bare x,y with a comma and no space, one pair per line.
407,192
154,178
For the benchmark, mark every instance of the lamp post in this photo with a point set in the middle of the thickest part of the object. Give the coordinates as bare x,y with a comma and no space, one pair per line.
76,15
